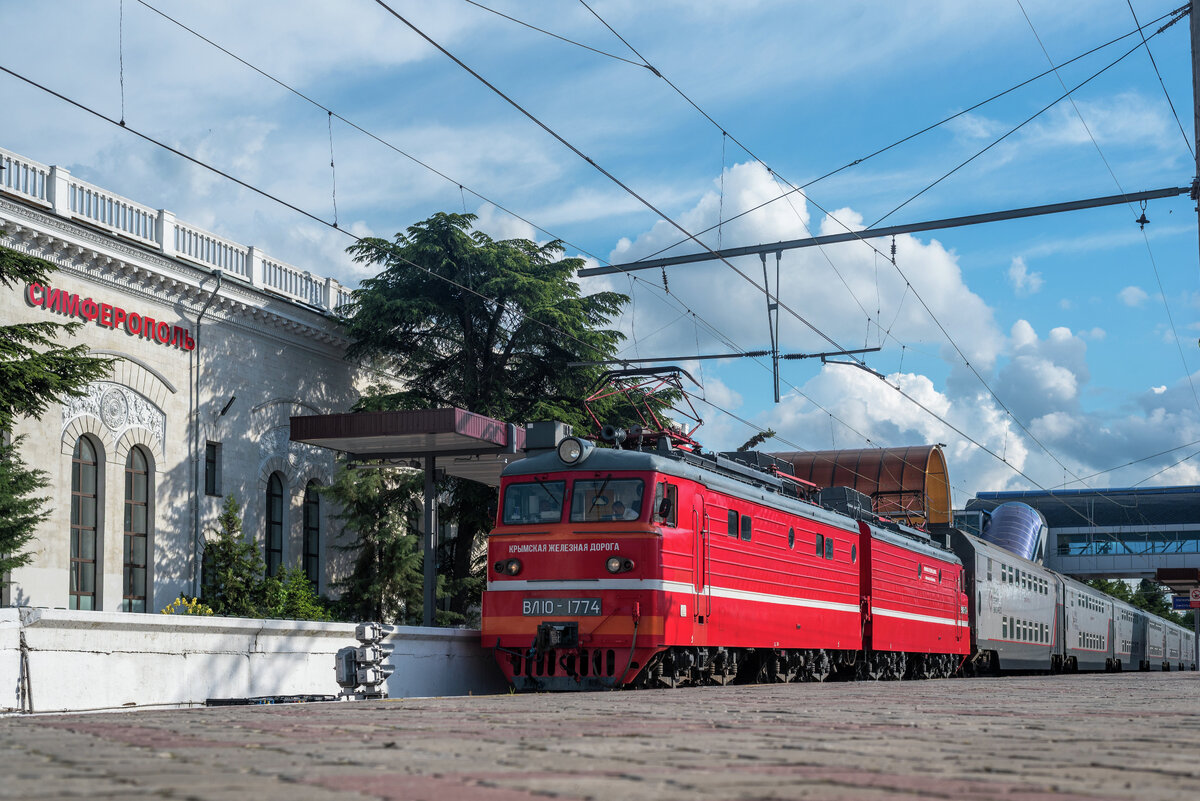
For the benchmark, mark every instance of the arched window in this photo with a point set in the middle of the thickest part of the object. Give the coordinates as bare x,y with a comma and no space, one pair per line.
312,533
274,533
85,495
137,530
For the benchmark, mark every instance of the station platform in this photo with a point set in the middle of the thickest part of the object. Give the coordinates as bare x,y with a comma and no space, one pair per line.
1062,737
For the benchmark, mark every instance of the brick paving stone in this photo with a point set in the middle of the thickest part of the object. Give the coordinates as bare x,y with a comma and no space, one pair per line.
1058,738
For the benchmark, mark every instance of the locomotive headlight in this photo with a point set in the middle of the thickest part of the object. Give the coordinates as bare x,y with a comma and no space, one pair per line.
616,564
573,450
512,567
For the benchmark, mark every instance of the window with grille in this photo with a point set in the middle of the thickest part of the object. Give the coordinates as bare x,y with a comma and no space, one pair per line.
85,494
274,533
312,533
137,531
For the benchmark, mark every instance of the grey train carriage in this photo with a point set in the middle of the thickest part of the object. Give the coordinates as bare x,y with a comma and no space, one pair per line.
1025,616
1014,608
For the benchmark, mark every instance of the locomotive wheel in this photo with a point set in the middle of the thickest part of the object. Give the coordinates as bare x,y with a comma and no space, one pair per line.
821,665
723,668
875,666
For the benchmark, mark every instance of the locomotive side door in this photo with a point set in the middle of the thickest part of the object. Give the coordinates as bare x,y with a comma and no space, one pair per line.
700,557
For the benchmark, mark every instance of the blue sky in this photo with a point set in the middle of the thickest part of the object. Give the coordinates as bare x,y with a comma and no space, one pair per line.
1062,316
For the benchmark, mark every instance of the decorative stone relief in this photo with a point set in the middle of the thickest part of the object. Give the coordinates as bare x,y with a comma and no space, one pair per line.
119,408
276,443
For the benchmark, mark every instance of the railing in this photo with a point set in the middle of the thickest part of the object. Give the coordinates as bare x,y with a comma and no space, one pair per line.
22,177
294,282
66,196
211,250
113,212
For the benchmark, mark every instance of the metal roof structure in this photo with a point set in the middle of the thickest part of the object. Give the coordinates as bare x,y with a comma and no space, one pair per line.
1151,532
907,483
463,443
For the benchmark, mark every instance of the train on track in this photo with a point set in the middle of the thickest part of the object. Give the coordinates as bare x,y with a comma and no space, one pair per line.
646,564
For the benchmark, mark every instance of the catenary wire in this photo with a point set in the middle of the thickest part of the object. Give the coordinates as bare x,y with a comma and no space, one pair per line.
915,134
554,35
676,225
629,190
276,199
1187,142
1053,68
908,284
1017,127
1149,251
367,133
321,221
286,204
1131,463
315,218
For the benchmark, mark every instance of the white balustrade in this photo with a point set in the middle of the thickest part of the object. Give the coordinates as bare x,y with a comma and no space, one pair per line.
293,282
211,250
23,177
107,210
67,196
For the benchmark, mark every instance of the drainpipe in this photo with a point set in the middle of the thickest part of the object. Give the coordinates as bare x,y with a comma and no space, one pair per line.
195,439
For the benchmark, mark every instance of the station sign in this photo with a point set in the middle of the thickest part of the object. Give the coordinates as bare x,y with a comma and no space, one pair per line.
1185,602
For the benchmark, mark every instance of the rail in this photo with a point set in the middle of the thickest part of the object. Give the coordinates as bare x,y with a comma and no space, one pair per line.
55,189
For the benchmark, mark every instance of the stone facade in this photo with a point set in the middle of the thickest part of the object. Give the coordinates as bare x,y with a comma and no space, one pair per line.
258,357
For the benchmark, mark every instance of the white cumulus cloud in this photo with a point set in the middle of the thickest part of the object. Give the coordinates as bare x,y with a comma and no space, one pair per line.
1023,281
1132,296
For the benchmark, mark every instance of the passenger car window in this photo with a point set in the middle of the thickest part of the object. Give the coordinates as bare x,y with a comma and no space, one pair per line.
533,502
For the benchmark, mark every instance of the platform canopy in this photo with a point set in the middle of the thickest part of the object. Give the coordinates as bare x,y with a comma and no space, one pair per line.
463,443
907,483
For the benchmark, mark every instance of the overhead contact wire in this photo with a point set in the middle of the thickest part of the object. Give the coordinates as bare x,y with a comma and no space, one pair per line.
367,133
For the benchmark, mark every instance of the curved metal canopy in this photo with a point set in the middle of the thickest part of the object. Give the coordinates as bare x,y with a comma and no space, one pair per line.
908,483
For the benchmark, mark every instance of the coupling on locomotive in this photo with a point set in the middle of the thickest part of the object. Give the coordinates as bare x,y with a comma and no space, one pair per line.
640,561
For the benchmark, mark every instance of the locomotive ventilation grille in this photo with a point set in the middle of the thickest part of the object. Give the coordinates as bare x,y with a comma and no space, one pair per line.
584,662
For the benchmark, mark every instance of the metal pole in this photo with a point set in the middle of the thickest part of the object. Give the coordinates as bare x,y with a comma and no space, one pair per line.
1195,30
430,540
891,230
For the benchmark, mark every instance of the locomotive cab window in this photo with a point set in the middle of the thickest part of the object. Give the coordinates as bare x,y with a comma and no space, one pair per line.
820,545
534,502
791,538
606,499
733,523
828,547
666,498
746,527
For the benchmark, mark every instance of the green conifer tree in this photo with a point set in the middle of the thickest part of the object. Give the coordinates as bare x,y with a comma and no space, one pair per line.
20,510
231,579
35,372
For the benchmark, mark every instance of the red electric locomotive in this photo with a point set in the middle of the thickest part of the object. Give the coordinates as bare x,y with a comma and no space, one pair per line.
647,564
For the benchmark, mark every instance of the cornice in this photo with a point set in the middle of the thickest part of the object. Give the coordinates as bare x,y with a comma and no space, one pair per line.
78,250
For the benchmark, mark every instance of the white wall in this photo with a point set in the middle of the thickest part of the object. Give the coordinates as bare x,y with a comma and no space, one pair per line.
100,660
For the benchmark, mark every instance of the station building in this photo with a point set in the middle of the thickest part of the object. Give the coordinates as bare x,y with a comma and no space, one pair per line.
215,346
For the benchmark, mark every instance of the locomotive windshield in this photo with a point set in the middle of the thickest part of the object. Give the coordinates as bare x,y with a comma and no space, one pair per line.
535,502
593,500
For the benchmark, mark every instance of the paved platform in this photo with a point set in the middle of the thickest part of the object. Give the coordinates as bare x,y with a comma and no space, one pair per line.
1070,737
